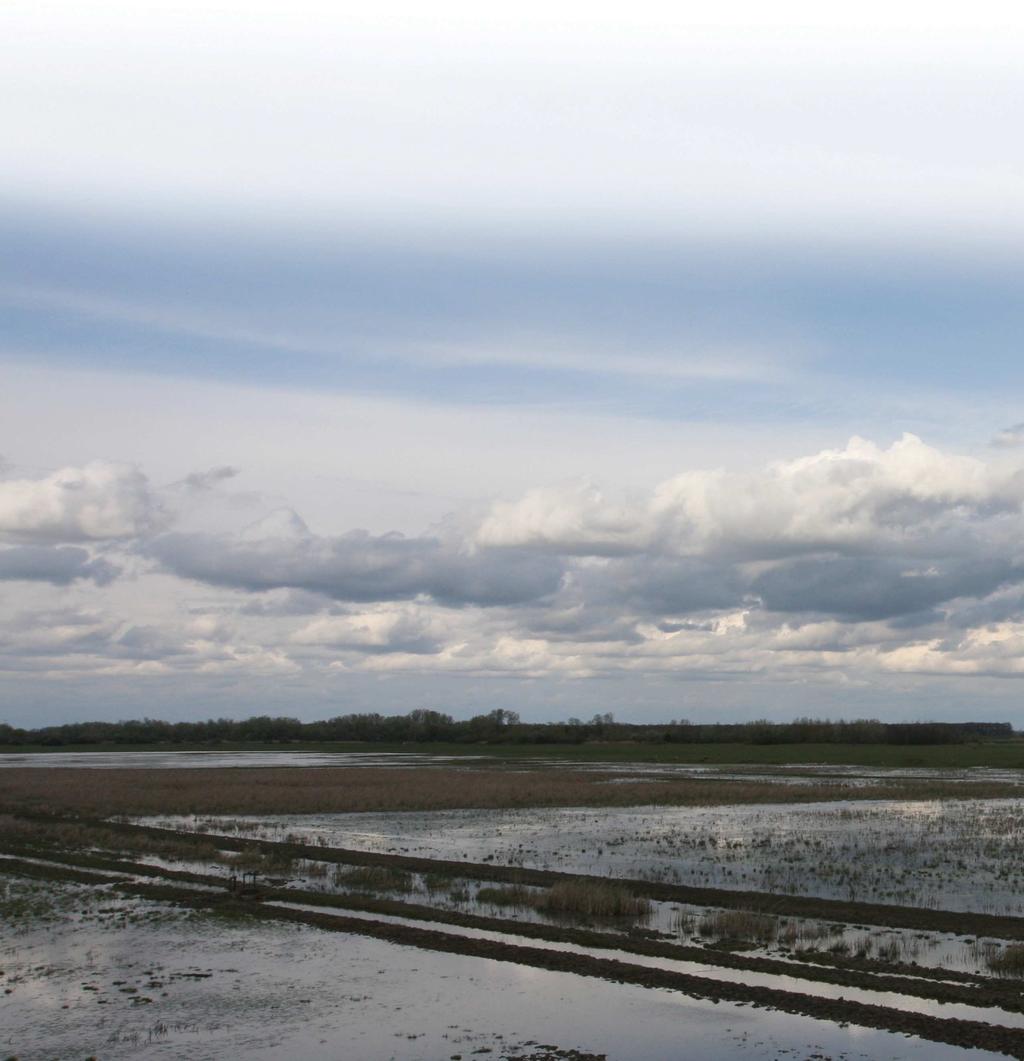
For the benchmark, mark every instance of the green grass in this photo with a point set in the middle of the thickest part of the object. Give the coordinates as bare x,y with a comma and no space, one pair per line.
1008,753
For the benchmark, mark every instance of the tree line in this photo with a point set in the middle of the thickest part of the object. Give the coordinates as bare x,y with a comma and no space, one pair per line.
496,727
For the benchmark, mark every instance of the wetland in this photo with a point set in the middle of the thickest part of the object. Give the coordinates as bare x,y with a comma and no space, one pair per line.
618,910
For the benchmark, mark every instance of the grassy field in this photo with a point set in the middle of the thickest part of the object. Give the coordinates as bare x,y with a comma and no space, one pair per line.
1006,753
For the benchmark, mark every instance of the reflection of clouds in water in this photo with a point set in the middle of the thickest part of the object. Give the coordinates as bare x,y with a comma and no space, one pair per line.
959,855
278,991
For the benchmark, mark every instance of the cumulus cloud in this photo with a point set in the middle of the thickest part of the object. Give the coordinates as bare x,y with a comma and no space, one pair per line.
575,520
60,565
860,497
835,560
389,628
876,587
360,567
860,562
96,502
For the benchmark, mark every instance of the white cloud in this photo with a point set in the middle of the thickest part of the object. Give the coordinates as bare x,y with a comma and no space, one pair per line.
577,518
860,564
96,502
387,628
860,497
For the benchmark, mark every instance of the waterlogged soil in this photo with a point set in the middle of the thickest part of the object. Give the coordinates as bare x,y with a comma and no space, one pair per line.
800,774
89,972
793,938
938,854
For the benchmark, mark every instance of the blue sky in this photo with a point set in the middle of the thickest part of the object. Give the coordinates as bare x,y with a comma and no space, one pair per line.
688,324
674,329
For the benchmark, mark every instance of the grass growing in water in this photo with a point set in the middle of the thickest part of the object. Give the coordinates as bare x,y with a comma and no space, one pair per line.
579,899
1007,962
374,878
592,899
742,925
516,895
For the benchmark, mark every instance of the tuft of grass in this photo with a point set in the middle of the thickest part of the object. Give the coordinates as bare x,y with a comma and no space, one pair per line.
374,878
1007,962
435,883
741,925
515,895
265,862
592,899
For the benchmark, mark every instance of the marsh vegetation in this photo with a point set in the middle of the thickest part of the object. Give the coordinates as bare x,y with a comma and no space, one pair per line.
701,896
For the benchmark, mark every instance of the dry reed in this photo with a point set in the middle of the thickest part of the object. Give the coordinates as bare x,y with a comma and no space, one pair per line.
374,878
316,790
742,925
592,899
1007,962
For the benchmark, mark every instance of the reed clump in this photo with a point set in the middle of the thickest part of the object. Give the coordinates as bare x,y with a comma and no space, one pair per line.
1007,962
581,900
592,899
374,878
440,883
266,862
741,925
514,895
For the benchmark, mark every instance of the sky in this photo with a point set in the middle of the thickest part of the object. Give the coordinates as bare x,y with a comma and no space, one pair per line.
660,359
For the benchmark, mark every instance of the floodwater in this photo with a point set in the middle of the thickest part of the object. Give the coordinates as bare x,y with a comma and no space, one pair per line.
799,774
199,760
119,979
942,854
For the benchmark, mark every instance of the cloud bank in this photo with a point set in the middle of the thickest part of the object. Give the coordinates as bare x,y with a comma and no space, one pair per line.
857,564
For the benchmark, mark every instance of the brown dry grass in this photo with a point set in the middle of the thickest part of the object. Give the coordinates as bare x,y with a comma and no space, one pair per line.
740,925
592,899
72,836
374,878
1008,962
313,790
572,899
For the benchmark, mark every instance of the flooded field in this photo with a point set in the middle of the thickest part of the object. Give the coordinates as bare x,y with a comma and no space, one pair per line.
949,854
93,975
802,774
845,928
